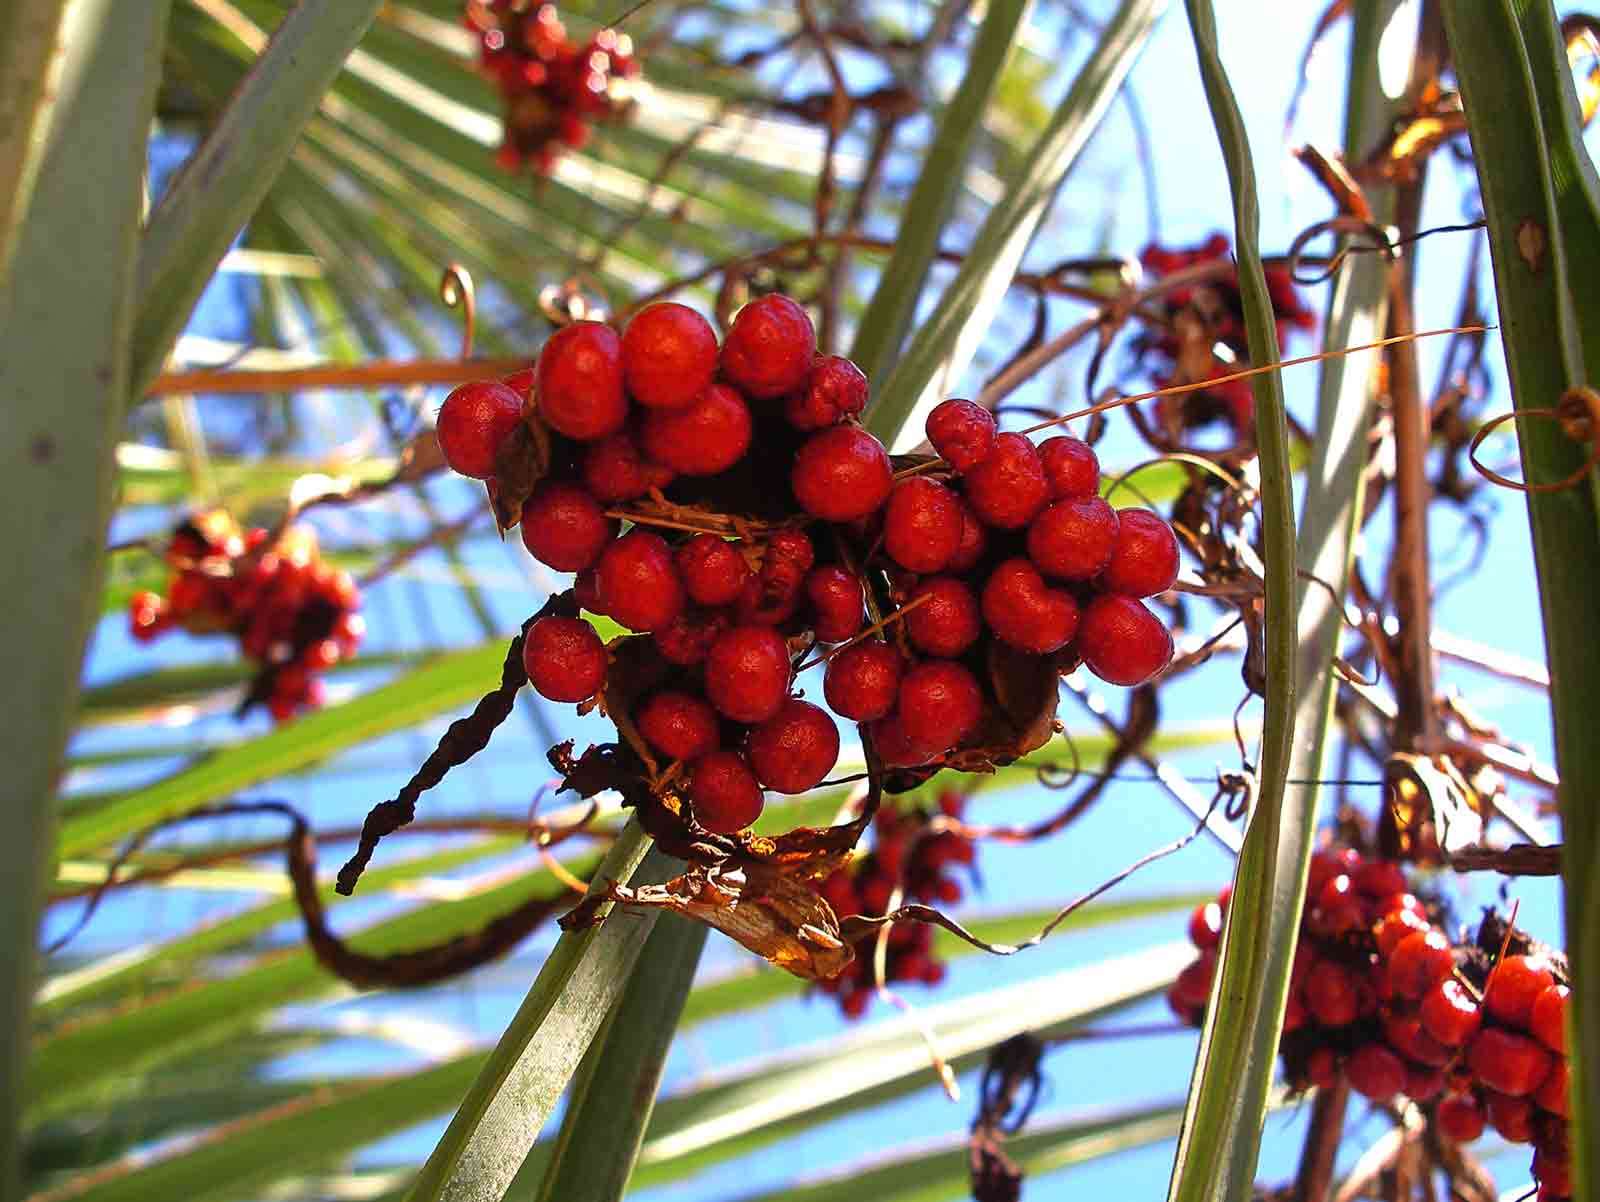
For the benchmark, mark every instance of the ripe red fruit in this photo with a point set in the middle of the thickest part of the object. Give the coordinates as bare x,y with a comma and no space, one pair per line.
895,748
794,749
1548,1019
615,469
1511,1117
1205,925
1193,987
1145,561
836,391
678,725
747,673
473,421
586,591
940,704
564,527
712,570
961,432
521,382
841,474
1122,641
564,659
1330,994
1508,1062
1073,540
836,605
921,525
974,540
1515,983
1335,907
1374,878
1322,1068
1008,488
687,638
1375,1072
1071,466
1024,611
1423,1084
1449,1013
1420,961
1553,1094
669,354
1460,1117
580,381
724,792
638,583
768,351
708,435
1553,1174
1394,927
1407,1035
945,620
862,682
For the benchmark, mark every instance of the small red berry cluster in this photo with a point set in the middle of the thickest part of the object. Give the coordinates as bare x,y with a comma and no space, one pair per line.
1381,995
1198,318
292,613
553,88
907,857
1011,542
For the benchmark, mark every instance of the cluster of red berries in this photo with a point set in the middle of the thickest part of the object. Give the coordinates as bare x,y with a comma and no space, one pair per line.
292,613
904,856
1381,995
553,88
999,542
1201,336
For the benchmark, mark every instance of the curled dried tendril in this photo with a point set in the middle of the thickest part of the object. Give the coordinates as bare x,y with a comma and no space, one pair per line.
1578,415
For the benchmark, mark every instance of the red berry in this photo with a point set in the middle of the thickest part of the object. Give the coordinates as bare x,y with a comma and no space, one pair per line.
1449,1013
1322,1068
1145,561
521,382
1330,994
712,570
895,748
1008,488
1407,1036
687,638
473,421
1507,1062
614,469
862,682
1073,540
835,597
1205,925
724,792
1395,927
638,583
794,749
945,620
1193,986
564,659
768,351
1553,1094
580,381
1511,1117
961,432
974,540
1375,878
708,435
747,673
1460,1117
836,392
1420,961
678,725
586,591
1422,1083
1336,908
922,525
1548,1019
1375,1072
1024,611
1122,641
1553,1174
564,527
1515,983
940,704
1071,466
669,354
841,474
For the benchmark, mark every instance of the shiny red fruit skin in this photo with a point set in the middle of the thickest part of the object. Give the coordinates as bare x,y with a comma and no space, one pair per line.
1407,1035
1122,642
1375,1072
895,748
580,381
974,541
1548,1018
638,582
473,421
521,382
747,673
1145,561
669,355
795,749
842,474
1424,1084
564,527
1511,1117
1553,1092
1193,986
1330,994
707,436
724,792
1336,908
1375,878
769,349
1507,1062
945,620
1024,611
712,570
1460,1117
922,525
1554,1176
862,682
1071,466
615,469
961,432
679,725
1008,488
1420,961
687,638
1395,927
1449,1013
1205,926
1073,540
564,659
940,704
1515,983
836,392
837,609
